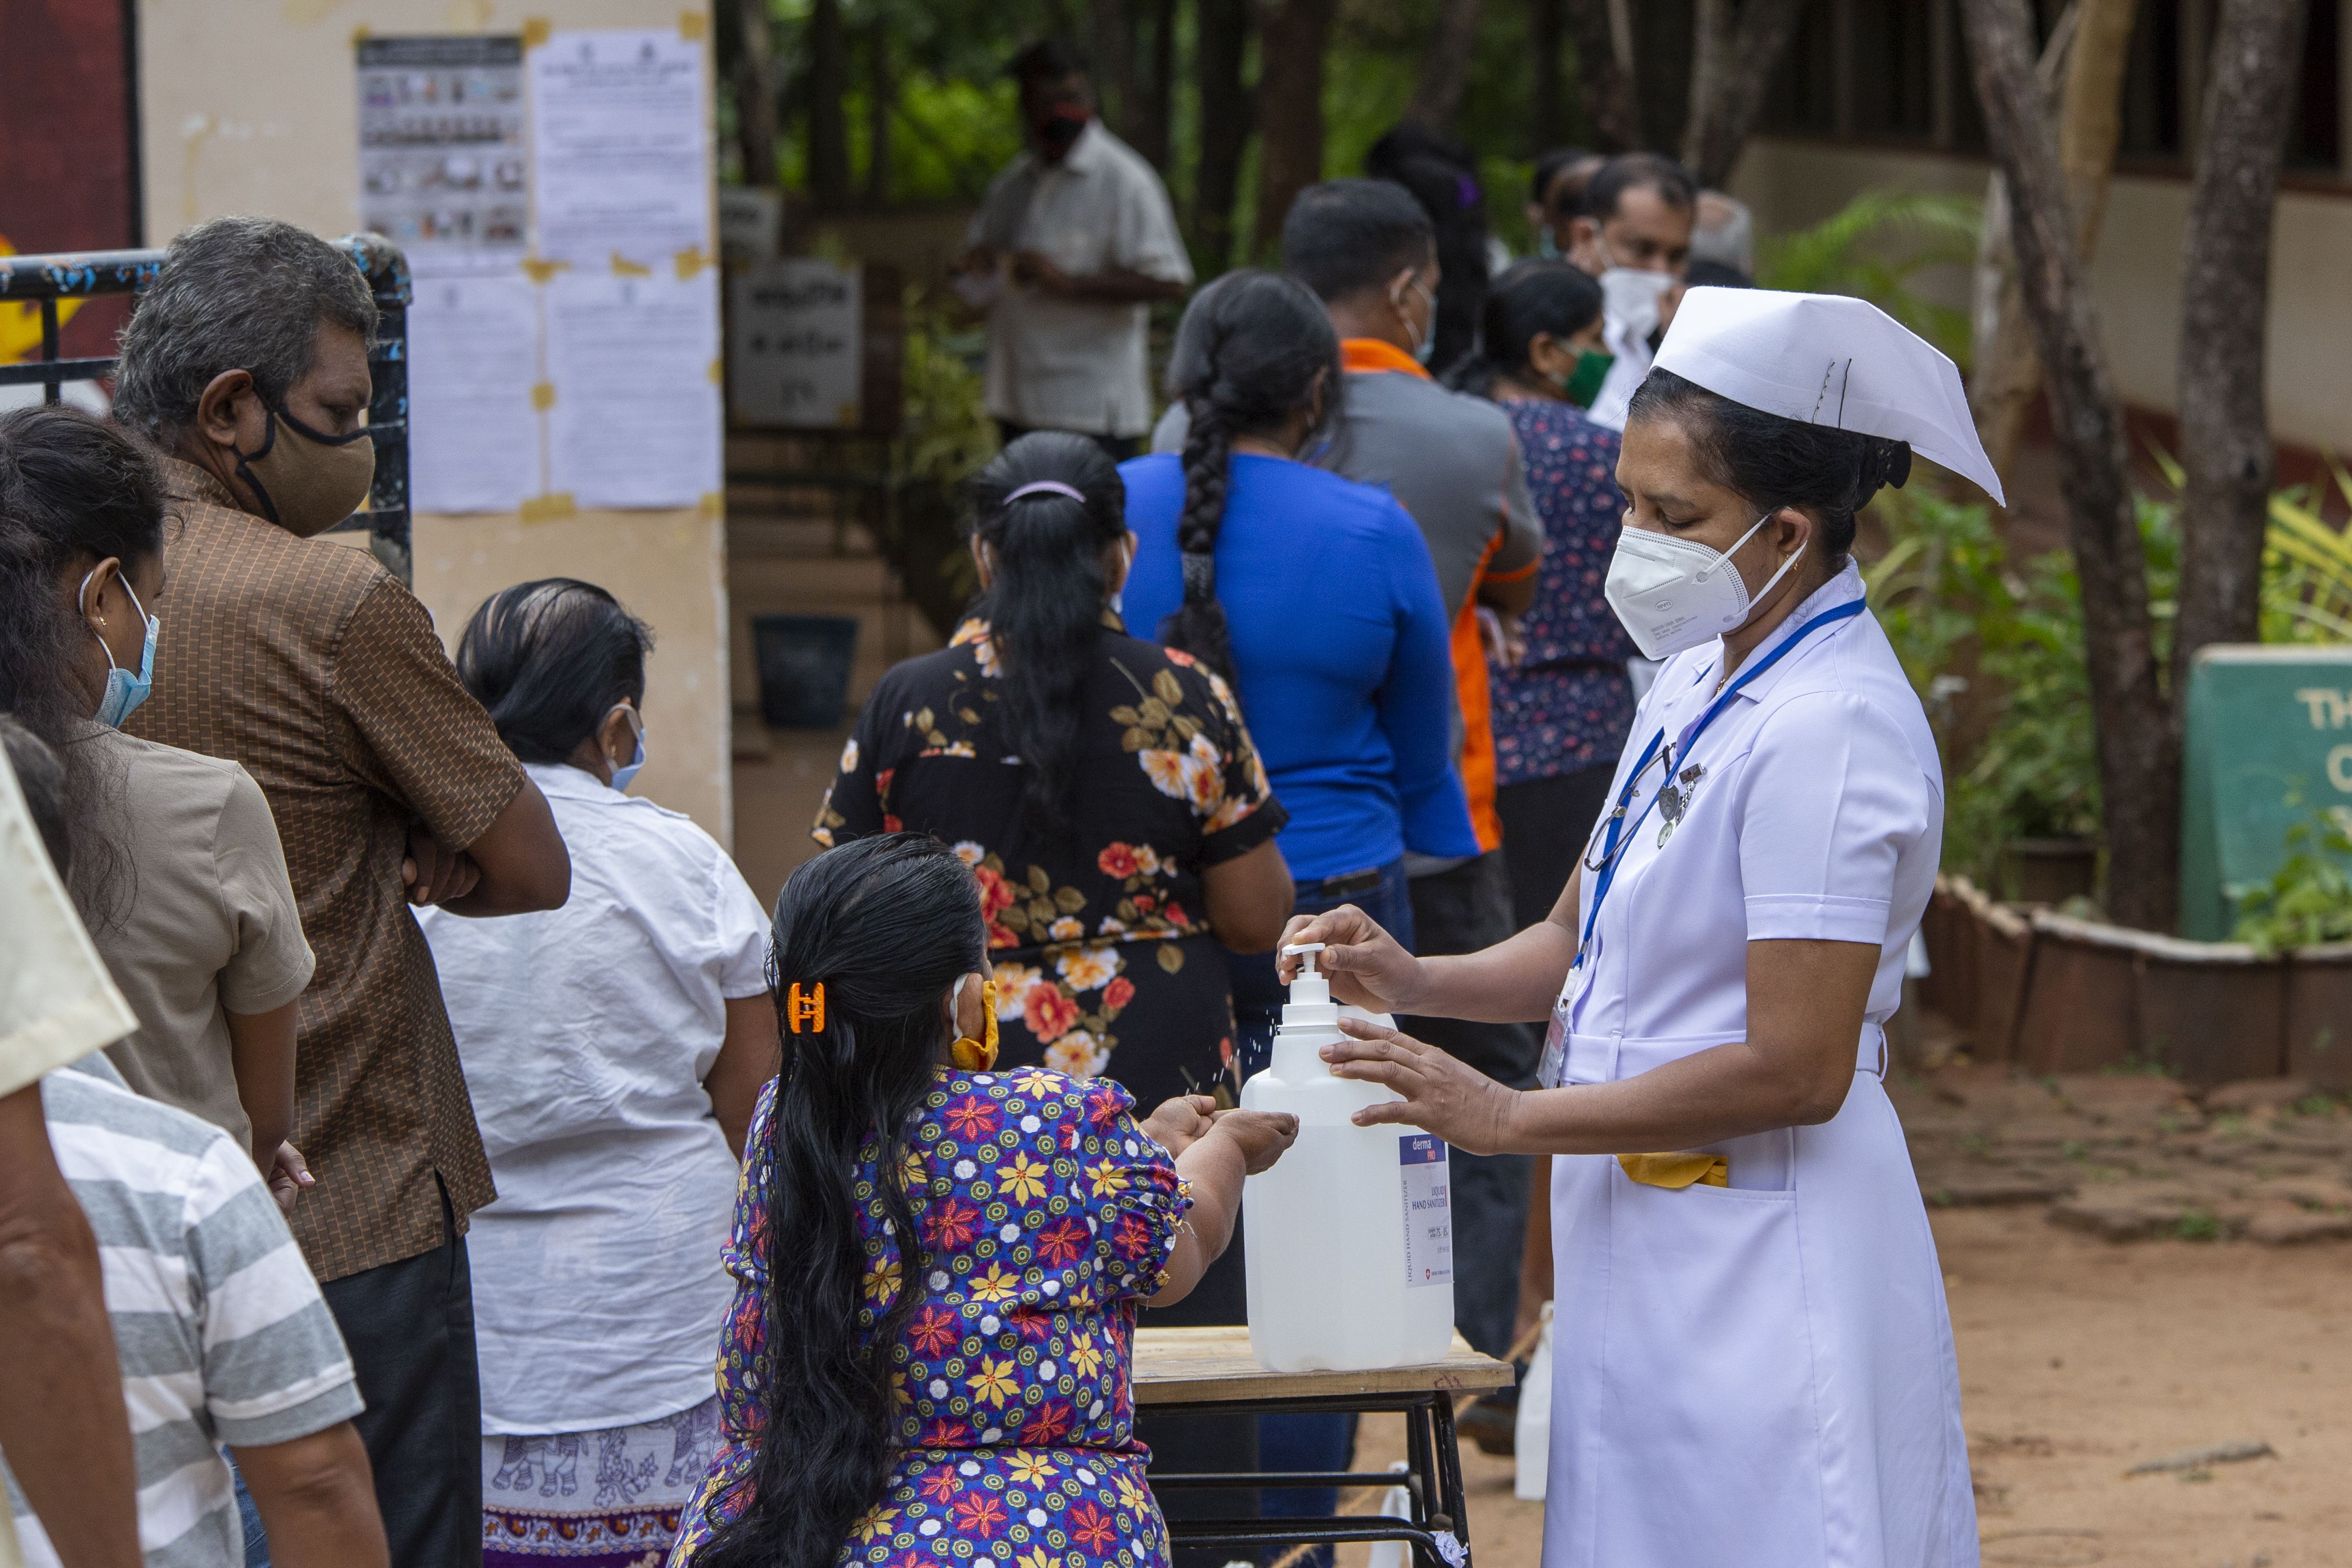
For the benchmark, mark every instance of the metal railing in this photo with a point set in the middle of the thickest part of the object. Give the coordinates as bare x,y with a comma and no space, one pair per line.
84,275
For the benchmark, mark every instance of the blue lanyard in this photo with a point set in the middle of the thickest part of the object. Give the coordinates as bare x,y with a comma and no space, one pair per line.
1617,824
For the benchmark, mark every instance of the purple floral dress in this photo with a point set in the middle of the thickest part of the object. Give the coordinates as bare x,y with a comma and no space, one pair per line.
1046,1217
1569,703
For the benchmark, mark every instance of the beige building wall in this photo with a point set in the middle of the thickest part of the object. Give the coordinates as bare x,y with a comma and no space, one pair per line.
251,107
2134,275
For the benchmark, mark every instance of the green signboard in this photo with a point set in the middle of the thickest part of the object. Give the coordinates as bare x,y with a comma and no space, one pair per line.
2268,744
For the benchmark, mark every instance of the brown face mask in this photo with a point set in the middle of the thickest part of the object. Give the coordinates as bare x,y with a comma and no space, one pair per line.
307,483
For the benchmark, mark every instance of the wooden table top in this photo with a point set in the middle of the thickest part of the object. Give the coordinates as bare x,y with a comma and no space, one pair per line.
1187,1366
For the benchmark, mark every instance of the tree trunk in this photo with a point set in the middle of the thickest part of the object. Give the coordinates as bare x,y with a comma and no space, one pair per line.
1226,116
1732,65
2138,745
881,104
1114,65
1155,88
2225,263
1544,40
1604,71
828,131
2081,78
1445,68
1290,110
755,95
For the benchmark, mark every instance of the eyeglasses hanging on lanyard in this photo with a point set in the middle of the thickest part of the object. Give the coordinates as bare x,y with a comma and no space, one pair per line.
1617,834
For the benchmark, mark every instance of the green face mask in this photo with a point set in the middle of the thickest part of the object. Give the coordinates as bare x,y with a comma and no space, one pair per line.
1584,383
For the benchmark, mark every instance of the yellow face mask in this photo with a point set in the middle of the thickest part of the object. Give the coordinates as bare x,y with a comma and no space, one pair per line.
977,1055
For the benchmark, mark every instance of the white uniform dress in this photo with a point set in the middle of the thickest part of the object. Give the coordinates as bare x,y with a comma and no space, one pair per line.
1762,1374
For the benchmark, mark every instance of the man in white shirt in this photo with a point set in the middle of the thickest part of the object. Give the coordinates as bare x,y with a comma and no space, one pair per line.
1634,235
1074,242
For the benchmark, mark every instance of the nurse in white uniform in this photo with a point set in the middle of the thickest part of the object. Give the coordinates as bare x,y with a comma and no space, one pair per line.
1753,1359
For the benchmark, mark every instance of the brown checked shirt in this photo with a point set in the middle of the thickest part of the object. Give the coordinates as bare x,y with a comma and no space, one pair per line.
308,664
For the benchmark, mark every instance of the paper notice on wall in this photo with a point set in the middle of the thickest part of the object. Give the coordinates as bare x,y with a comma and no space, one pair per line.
619,147
796,343
473,359
442,157
637,419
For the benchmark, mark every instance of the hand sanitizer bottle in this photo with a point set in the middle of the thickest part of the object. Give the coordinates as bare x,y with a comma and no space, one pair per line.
1350,1246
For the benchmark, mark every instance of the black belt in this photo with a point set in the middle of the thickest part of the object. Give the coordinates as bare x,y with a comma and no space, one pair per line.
1342,886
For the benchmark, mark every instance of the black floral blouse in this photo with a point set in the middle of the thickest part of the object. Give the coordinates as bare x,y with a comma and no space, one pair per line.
1104,963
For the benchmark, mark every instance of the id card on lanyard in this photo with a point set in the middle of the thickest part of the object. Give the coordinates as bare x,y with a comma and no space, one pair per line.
1620,838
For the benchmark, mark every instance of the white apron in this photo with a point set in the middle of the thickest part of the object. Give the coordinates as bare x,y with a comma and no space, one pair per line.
1762,1375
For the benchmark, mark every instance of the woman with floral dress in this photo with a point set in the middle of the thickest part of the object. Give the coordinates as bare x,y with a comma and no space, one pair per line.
938,1264
1564,704
1103,789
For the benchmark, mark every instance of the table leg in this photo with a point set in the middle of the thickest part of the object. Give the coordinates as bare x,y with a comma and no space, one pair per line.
1449,1477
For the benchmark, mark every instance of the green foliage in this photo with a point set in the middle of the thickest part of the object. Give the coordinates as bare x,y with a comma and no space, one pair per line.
1962,619
1874,248
2308,899
2307,593
948,435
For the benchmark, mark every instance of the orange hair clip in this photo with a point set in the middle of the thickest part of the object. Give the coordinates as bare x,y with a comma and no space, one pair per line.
807,1009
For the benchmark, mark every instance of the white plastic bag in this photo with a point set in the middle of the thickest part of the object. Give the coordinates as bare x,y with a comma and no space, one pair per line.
1531,1442
1397,1503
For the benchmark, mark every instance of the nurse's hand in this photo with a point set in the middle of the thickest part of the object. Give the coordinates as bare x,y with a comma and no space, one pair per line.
1460,1104
1368,966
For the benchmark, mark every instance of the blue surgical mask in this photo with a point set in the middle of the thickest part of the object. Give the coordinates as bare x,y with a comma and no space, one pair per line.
125,691
628,770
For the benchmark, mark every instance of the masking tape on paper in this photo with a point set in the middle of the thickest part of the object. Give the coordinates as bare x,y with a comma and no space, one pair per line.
712,504
690,261
624,268
542,396
535,31
692,25
542,271
548,509
719,370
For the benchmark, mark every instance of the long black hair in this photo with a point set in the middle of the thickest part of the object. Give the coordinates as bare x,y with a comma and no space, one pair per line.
550,659
72,493
1443,175
887,925
1247,357
1044,606
1527,299
1774,462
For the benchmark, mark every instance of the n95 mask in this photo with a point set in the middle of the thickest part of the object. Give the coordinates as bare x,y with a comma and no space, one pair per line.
1673,594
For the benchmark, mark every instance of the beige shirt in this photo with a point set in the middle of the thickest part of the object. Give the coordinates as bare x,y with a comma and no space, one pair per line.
210,925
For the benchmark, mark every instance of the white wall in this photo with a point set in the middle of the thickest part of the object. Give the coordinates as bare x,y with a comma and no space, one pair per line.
2134,275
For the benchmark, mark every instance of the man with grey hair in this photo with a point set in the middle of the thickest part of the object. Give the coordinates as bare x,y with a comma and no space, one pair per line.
246,370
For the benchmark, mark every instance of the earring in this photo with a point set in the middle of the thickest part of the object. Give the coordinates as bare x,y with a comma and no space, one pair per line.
977,1055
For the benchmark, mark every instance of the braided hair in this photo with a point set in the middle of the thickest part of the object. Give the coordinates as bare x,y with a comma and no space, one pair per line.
1045,607
1774,462
1249,354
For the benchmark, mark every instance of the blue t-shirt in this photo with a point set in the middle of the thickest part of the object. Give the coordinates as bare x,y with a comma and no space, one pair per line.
1339,644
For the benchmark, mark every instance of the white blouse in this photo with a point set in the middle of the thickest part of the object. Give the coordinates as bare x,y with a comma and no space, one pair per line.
1818,814
586,1032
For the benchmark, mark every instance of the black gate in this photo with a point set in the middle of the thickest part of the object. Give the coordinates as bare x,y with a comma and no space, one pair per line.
80,275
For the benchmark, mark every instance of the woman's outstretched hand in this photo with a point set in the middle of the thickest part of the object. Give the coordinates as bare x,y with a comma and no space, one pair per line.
1368,966
1460,1104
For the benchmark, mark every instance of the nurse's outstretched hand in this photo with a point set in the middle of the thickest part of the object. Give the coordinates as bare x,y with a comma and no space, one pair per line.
1368,966
1460,1104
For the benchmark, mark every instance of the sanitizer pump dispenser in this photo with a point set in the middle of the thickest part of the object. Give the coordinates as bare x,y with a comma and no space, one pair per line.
1350,1243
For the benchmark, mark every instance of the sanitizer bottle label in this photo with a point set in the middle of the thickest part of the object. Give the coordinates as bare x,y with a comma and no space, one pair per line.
1428,1225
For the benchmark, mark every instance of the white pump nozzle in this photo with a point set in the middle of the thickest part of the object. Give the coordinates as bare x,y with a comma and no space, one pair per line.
1308,989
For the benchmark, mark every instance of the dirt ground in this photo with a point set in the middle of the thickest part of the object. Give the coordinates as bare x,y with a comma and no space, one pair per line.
2133,1273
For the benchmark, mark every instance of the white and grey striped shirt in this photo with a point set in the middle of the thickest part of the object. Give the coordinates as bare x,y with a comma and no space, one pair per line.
222,1332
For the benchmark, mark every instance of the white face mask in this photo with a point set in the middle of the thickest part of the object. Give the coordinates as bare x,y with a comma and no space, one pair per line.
1674,594
1629,296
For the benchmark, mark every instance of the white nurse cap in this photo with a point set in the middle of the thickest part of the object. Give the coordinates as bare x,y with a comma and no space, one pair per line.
1827,358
